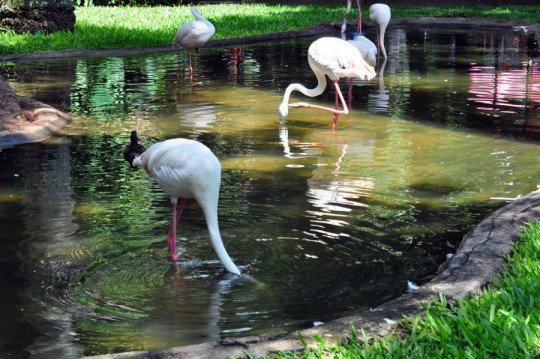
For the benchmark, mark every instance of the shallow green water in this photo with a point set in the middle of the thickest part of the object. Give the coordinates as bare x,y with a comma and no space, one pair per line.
325,223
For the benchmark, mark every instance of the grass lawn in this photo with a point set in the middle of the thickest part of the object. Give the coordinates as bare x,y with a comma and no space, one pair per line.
134,27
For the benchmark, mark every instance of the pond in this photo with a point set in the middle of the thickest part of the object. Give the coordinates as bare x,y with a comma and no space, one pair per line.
323,223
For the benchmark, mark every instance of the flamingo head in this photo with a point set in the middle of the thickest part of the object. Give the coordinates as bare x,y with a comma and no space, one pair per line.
133,150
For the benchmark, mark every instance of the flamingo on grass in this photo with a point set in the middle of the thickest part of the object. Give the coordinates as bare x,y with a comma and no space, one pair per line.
193,34
186,169
335,58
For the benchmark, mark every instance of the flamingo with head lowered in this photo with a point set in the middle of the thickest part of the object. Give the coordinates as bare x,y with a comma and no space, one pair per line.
187,169
193,34
335,58
380,14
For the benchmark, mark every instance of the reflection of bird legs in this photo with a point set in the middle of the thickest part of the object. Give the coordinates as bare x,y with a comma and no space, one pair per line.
190,67
340,158
336,111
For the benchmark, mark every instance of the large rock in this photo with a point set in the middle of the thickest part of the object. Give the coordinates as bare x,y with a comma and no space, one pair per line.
31,16
23,120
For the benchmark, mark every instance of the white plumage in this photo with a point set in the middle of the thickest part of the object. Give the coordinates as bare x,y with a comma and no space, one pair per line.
194,34
380,14
335,58
186,169
367,49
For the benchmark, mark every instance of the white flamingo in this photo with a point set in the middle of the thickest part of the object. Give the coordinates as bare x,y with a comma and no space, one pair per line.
193,34
186,169
380,14
335,58
366,47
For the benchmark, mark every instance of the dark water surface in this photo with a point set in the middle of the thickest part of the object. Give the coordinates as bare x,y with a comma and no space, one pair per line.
325,223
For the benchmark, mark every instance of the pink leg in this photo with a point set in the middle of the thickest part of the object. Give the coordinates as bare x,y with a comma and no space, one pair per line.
190,67
171,237
359,18
349,93
335,117
335,110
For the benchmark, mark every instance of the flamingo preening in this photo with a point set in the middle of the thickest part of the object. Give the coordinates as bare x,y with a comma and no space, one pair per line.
187,169
193,34
335,58
133,149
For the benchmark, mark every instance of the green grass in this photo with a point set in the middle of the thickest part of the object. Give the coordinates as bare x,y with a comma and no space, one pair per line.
502,322
132,27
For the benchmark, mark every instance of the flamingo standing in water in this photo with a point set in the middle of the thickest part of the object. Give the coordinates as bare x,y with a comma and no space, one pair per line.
347,11
367,48
380,14
335,58
186,169
193,34
133,149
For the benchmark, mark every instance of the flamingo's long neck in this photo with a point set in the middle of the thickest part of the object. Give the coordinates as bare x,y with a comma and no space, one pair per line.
344,25
198,16
210,213
319,89
359,17
381,40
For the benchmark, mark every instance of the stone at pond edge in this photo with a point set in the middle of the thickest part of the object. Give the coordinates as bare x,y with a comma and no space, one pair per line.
23,120
29,16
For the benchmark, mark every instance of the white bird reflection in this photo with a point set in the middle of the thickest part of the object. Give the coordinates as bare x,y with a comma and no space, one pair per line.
379,99
198,116
333,189
52,256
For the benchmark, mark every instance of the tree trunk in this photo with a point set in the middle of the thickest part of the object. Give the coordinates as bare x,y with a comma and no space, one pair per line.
31,16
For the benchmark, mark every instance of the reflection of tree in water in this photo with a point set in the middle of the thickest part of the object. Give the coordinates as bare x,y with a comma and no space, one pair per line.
51,256
506,85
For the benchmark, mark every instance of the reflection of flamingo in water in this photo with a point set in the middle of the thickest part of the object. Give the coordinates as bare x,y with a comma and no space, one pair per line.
193,34
335,58
379,100
187,169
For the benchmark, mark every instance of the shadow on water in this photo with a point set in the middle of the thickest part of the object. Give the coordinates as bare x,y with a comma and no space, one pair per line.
325,223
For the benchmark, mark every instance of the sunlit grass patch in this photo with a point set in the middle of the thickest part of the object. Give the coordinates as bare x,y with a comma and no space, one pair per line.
132,27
